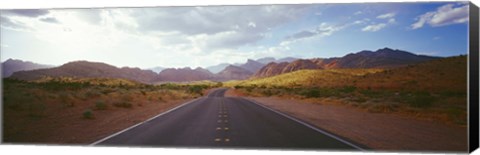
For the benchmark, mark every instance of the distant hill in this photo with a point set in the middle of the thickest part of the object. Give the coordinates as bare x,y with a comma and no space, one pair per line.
436,75
287,59
156,69
217,68
184,75
232,72
85,69
252,65
382,58
273,68
11,65
266,60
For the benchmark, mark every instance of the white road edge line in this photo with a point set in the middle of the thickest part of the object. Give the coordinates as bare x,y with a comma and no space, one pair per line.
124,130
308,125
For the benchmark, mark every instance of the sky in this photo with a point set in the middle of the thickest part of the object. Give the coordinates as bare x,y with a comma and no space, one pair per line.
209,35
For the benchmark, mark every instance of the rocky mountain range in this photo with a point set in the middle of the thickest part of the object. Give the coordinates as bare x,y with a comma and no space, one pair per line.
87,69
382,58
232,72
11,65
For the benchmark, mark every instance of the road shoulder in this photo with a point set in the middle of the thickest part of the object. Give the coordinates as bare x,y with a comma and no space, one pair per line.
380,131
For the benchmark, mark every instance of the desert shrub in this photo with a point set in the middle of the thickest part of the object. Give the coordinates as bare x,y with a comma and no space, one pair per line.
267,92
66,99
348,89
160,98
127,97
249,89
123,104
17,100
93,93
419,100
88,114
371,93
100,105
219,84
196,89
238,87
107,91
378,108
359,99
310,93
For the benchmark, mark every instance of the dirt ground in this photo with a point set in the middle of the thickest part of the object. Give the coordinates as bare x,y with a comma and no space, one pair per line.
378,131
67,126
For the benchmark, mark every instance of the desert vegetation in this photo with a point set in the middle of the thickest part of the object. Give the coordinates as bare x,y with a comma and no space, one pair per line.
434,90
34,111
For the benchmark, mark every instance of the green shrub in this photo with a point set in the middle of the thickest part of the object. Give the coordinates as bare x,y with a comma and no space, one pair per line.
420,100
195,89
311,93
88,114
348,89
100,105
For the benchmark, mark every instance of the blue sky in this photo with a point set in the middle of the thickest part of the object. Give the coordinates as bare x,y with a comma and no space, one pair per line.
205,36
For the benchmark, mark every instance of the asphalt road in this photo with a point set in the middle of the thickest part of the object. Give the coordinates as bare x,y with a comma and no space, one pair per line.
218,121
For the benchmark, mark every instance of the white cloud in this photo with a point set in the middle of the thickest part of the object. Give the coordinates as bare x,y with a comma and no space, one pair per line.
374,27
387,19
164,33
386,16
391,20
445,15
322,30
358,13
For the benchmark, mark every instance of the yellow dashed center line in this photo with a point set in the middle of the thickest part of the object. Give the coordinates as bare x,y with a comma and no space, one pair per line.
227,140
218,139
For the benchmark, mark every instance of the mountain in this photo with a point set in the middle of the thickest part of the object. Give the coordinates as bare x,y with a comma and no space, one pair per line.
287,59
156,69
435,75
273,68
266,60
88,69
252,65
299,65
232,72
217,68
184,75
382,58
11,65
